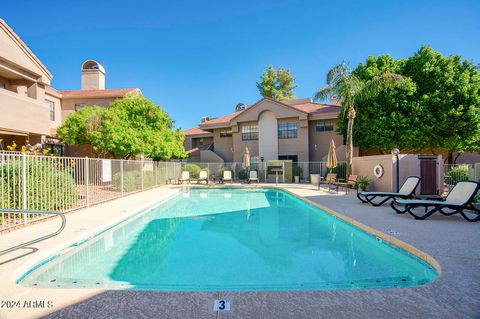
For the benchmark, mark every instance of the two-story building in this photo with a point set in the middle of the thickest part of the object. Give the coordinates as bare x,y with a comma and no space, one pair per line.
30,109
298,130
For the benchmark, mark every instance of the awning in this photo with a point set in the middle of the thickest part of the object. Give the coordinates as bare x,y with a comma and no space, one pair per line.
3,132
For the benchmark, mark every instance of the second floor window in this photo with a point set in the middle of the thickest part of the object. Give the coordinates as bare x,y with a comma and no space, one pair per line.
249,132
51,108
226,133
324,126
287,130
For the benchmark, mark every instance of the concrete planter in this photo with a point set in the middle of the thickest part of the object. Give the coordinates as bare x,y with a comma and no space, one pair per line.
315,179
297,179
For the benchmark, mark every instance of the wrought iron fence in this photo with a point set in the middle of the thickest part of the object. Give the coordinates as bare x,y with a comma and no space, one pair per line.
455,173
36,182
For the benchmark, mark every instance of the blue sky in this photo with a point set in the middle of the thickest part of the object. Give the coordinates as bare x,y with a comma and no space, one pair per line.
198,58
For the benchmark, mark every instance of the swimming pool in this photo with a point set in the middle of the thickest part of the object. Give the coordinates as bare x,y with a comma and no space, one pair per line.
232,239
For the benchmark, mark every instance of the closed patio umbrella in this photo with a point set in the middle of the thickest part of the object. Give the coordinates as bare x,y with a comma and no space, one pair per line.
246,159
332,156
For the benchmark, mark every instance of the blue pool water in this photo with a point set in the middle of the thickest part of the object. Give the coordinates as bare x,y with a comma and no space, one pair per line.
232,239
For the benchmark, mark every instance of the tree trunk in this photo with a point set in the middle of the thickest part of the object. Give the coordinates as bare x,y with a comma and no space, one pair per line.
349,150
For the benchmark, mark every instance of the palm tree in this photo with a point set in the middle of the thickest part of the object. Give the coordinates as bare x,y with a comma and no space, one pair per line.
344,86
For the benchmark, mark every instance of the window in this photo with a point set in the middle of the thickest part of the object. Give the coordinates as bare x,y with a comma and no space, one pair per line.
249,132
226,133
324,126
79,106
51,107
287,130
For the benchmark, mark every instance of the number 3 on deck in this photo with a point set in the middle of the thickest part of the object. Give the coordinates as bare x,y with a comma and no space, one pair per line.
221,305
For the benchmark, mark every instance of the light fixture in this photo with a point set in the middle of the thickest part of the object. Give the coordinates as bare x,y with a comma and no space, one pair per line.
395,152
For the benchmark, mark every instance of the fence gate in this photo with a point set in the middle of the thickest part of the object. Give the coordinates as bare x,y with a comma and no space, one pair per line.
428,174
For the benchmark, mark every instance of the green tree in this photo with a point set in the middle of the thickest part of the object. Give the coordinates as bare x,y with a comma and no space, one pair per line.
277,85
437,108
345,86
448,95
130,126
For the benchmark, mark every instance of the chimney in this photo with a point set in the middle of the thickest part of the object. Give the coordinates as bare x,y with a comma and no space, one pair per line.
93,76
204,119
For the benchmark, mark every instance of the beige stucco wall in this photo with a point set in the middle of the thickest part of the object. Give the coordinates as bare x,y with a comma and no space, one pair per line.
295,146
58,110
239,145
68,105
19,59
320,142
363,166
93,80
223,146
21,113
267,135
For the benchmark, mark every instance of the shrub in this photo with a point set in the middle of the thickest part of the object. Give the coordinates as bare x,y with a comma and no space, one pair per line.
362,183
242,174
132,180
50,185
457,174
340,170
297,171
193,169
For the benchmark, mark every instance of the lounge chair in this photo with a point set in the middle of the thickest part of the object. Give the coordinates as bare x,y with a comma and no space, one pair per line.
227,177
203,177
407,191
458,200
185,177
253,177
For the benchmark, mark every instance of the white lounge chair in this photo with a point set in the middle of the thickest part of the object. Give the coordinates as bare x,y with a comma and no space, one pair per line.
253,177
458,200
203,177
407,191
185,177
227,176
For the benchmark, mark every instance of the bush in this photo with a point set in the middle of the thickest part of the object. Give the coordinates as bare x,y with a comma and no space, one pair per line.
297,171
457,174
242,174
362,183
132,180
50,185
193,169
340,170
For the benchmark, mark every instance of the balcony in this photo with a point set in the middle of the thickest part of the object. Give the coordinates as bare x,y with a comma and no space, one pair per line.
24,114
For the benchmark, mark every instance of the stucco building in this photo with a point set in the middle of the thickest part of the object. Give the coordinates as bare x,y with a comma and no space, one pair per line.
30,109
297,130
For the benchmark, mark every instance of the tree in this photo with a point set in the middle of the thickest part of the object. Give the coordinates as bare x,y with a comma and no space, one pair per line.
437,108
448,95
343,85
277,85
130,126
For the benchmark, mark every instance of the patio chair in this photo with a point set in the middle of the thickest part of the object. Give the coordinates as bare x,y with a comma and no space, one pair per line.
407,191
185,177
331,179
351,181
227,177
253,177
203,177
458,200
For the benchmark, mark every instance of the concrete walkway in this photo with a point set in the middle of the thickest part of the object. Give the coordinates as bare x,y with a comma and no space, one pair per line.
452,241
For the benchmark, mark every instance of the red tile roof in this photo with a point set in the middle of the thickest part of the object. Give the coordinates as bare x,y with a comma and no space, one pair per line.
316,108
222,119
195,131
107,93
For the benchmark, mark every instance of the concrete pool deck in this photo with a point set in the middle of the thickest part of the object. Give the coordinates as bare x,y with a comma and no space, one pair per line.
452,241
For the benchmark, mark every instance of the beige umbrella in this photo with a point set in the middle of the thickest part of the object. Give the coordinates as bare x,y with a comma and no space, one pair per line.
246,159
332,156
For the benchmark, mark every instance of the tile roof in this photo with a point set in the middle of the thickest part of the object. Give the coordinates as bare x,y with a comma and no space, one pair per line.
303,105
195,131
72,94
